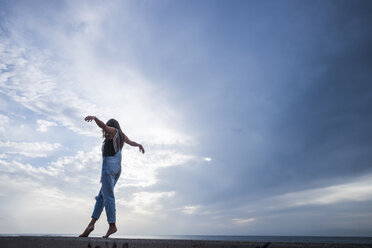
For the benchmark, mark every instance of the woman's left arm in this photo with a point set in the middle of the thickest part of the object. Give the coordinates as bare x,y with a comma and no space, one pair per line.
132,143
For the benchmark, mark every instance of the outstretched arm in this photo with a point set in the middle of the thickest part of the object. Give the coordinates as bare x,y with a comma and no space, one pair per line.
132,143
101,124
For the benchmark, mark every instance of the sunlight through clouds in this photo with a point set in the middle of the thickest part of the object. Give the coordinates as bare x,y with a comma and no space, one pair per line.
142,172
62,83
147,203
207,159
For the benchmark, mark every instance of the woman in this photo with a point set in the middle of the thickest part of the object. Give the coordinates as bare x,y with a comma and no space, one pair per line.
114,140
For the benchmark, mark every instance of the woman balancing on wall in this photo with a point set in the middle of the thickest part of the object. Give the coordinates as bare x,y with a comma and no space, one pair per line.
114,140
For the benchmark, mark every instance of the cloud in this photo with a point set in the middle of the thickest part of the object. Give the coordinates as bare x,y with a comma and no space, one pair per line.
243,221
67,80
4,120
26,170
147,203
31,204
29,149
30,82
50,87
359,190
190,209
284,121
142,170
43,125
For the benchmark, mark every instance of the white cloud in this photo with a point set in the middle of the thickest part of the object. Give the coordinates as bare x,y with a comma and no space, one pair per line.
43,125
360,190
30,205
190,209
29,149
141,169
27,170
148,203
30,146
78,172
4,120
243,221
81,168
30,82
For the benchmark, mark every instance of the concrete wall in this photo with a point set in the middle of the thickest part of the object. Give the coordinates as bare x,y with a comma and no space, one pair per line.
71,242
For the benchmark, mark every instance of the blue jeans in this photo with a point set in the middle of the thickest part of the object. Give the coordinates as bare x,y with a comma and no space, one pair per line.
111,169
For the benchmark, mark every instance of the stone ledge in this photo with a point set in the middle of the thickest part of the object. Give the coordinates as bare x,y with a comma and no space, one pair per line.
72,242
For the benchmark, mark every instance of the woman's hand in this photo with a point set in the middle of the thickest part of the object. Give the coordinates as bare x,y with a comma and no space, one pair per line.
141,148
89,118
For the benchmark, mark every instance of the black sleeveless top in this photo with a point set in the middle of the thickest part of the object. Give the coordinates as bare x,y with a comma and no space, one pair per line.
111,146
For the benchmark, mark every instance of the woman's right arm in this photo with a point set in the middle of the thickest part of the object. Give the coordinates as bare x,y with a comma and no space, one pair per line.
101,124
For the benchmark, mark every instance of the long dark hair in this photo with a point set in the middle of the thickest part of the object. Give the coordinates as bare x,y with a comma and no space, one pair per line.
114,123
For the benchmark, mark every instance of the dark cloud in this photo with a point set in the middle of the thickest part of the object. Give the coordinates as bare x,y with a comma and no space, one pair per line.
303,122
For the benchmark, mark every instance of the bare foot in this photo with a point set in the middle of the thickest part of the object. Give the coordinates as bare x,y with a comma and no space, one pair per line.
111,230
87,231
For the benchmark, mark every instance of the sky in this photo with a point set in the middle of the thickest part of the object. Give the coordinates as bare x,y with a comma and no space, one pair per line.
255,115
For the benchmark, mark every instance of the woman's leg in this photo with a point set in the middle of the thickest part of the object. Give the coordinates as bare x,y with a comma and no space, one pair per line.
89,228
110,176
112,226
109,197
98,208
108,183
112,229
